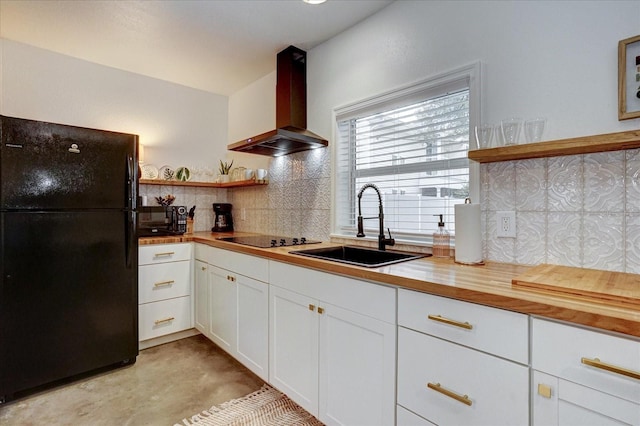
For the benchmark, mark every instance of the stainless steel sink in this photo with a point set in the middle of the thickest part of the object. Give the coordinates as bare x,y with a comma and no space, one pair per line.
359,256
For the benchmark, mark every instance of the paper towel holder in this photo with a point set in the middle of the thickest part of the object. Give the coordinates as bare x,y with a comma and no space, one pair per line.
474,260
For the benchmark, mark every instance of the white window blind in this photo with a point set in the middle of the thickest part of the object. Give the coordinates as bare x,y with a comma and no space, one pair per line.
414,149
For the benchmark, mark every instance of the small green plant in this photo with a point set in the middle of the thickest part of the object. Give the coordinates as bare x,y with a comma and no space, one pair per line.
225,167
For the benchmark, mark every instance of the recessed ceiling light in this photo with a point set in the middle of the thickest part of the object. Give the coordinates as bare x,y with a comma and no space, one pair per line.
314,1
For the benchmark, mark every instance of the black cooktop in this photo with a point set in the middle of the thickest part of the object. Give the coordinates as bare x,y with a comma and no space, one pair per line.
266,241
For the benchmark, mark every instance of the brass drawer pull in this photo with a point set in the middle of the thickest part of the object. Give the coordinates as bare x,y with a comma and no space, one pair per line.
439,318
595,362
203,268
461,398
320,310
160,321
163,283
312,307
231,278
167,253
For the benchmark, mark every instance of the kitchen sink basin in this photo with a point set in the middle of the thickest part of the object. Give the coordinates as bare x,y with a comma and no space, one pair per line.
359,256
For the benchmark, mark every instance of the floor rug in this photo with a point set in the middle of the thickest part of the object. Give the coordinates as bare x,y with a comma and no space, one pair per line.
264,407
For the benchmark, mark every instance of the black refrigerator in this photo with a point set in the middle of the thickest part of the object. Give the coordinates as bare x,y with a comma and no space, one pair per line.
69,250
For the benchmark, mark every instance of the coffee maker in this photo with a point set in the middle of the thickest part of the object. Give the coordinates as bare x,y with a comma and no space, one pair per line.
223,221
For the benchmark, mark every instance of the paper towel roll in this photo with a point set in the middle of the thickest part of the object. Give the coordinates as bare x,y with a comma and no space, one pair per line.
468,234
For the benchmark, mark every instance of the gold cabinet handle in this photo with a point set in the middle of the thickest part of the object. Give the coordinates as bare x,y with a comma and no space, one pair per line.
166,253
320,310
312,307
461,398
163,283
231,278
160,321
595,362
439,318
204,268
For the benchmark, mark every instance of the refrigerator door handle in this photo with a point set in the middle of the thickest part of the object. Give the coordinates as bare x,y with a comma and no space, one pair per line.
131,202
130,238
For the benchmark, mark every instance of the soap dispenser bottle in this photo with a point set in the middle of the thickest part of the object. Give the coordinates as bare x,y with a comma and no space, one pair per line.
441,239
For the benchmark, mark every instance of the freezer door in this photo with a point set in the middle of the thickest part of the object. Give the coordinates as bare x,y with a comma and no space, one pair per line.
68,295
53,166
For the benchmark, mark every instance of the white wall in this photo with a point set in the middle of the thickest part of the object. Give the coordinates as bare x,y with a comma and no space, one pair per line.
552,58
252,111
178,125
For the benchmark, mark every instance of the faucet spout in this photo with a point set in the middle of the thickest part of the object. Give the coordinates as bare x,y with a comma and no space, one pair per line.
382,240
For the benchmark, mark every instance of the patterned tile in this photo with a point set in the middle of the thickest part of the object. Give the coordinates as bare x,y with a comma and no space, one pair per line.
531,185
564,239
632,246
604,182
565,186
502,186
531,230
484,187
632,178
603,246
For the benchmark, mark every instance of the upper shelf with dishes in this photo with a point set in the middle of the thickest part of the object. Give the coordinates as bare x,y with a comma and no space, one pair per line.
182,176
581,145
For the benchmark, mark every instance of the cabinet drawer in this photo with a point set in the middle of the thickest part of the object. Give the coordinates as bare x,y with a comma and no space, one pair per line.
374,300
160,253
164,317
497,389
559,350
163,281
243,264
492,330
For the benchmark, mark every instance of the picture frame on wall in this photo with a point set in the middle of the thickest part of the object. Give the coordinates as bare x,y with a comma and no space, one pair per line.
629,78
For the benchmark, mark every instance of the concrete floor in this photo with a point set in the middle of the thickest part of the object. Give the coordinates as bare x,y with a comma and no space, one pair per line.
166,384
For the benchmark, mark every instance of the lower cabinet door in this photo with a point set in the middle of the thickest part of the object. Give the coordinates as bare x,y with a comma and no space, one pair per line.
558,402
293,346
253,325
357,368
222,308
164,317
449,384
201,289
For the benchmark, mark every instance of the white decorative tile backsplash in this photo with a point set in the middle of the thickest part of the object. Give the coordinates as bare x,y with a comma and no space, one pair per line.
296,202
578,210
604,182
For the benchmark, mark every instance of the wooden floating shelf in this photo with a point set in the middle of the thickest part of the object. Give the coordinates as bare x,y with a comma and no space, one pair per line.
235,184
582,145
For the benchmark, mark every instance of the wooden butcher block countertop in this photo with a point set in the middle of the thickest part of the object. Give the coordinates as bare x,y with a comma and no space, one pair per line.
536,290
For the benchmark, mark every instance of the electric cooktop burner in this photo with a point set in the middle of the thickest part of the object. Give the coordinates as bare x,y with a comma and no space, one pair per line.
266,241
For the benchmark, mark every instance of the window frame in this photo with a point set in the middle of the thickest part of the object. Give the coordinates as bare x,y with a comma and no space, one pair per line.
471,75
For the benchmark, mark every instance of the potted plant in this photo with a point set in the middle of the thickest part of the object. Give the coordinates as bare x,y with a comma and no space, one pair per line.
224,171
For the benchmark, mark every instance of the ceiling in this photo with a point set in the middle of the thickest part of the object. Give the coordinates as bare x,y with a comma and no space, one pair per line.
215,45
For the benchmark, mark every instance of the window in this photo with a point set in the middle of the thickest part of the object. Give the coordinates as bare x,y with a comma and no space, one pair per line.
412,144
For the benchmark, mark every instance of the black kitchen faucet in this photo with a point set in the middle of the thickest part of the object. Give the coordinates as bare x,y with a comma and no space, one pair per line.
382,240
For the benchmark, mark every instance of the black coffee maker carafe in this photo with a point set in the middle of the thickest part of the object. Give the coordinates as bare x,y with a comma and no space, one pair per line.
223,221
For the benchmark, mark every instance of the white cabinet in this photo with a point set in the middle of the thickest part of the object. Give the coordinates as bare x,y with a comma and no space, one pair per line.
164,290
583,376
332,345
232,305
461,363
223,300
201,296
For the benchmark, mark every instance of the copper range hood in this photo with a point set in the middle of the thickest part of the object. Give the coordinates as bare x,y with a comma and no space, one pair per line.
291,134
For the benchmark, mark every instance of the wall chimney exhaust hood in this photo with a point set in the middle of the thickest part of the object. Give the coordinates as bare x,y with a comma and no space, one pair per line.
291,134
